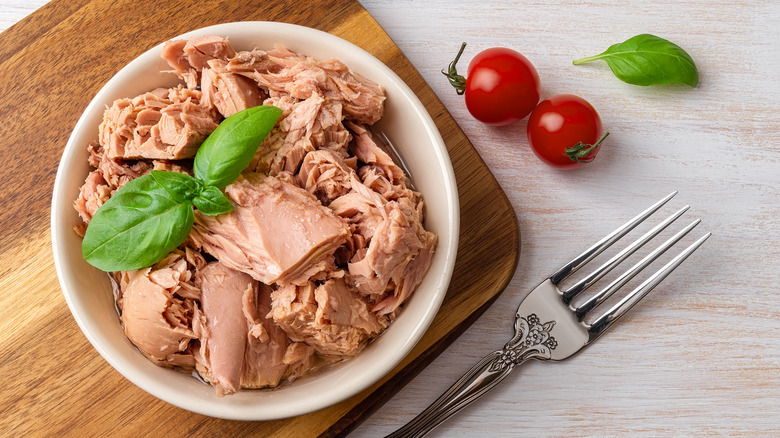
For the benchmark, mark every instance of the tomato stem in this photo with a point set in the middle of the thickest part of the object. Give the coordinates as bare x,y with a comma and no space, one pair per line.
579,152
456,80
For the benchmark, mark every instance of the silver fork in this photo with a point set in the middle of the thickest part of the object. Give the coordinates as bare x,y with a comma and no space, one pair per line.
549,327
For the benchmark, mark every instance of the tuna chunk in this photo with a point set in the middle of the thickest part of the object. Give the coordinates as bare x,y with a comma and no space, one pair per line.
109,176
240,346
223,344
270,355
277,233
301,359
300,77
303,127
325,175
395,242
362,208
203,49
252,61
173,54
188,58
391,250
331,318
408,278
366,150
379,171
94,193
163,124
297,127
228,92
158,309
118,172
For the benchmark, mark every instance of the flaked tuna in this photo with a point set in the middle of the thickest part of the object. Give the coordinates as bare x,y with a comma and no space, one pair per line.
366,150
158,308
277,233
109,176
203,49
163,124
390,249
173,54
304,126
188,58
223,339
361,207
239,346
326,240
331,317
407,275
94,193
297,127
228,92
300,76
270,355
251,61
325,175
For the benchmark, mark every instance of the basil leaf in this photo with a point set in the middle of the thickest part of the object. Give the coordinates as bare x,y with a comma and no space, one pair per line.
180,186
648,60
151,215
230,148
136,227
212,201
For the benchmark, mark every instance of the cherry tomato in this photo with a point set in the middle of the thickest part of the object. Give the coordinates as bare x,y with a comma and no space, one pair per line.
501,87
565,131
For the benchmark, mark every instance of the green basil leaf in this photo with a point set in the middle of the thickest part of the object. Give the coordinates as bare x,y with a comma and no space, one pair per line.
230,148
648,60
180,186
136,227
151,215
212,201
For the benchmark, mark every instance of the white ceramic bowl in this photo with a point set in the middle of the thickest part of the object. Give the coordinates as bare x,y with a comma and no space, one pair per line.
88,292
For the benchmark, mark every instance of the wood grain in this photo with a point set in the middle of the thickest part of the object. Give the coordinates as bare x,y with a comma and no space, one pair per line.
51,64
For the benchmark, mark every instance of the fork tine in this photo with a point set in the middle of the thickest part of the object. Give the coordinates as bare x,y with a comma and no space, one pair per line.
606,320
619,282
604,243
618,258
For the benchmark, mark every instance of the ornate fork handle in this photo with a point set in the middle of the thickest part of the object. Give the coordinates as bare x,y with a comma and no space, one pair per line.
531,340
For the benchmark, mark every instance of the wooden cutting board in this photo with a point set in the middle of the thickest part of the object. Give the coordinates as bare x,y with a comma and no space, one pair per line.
51,65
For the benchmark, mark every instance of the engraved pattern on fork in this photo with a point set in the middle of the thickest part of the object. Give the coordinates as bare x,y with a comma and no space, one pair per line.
532,339
535,340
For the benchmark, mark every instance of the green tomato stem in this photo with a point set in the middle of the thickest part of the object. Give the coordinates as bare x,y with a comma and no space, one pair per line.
456,80
579,152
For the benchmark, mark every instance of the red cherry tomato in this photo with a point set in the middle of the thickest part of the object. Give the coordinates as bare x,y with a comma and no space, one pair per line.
565,131
501,87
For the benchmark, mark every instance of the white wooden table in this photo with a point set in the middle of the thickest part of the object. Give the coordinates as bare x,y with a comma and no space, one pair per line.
701,355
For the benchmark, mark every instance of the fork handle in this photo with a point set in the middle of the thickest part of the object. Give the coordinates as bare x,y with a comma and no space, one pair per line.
480,379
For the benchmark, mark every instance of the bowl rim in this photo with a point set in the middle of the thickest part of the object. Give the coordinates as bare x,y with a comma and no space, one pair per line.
448,242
